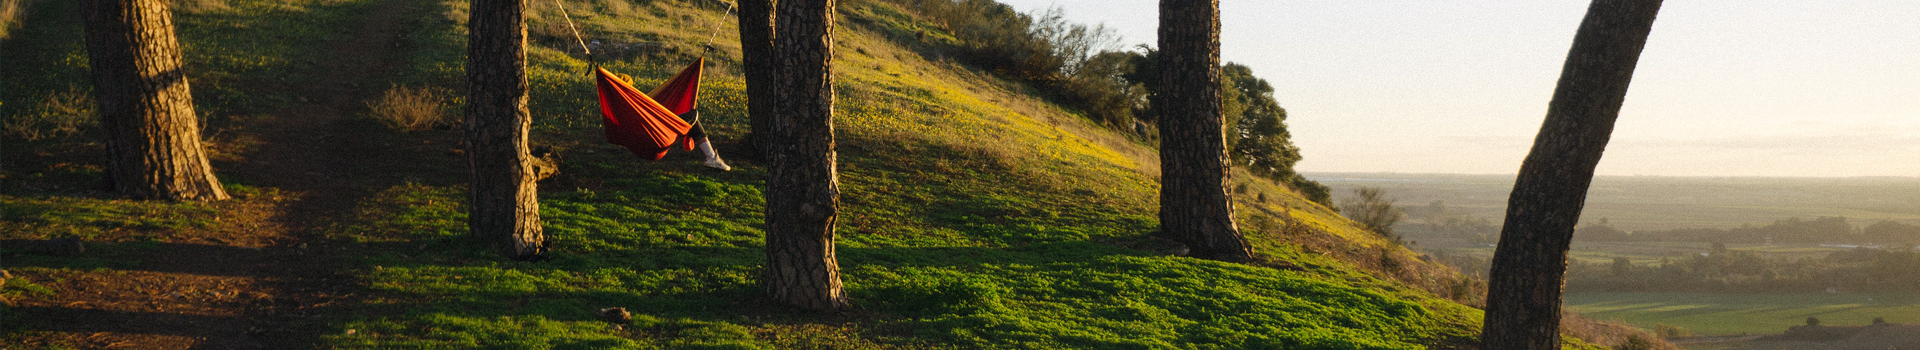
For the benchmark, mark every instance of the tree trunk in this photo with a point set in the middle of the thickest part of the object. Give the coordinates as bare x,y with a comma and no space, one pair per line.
504,208
803,195
1529,266
1194,207
146,108
756,58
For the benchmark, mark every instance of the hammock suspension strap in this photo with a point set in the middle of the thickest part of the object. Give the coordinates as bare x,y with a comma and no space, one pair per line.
576,36
712,34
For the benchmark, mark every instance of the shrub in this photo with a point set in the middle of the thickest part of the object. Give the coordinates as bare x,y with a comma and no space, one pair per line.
1635,342
1666,331
1313,190
1370,207
1081,66
61,114
412,109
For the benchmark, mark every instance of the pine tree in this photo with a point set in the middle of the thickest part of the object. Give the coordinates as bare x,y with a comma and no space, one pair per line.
504,206
1530,264
756,60
145,105
1195,209
803,192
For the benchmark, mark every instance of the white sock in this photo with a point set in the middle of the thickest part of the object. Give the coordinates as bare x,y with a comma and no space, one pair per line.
713,158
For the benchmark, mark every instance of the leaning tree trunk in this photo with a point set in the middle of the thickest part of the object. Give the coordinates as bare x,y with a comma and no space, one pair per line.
139,79
1194,207
803,195
1523,296
504,208
756,58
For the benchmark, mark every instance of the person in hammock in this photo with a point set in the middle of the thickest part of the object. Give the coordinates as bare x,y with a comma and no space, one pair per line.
630,135
697,133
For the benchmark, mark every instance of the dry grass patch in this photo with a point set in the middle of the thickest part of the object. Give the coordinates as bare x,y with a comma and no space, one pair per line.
10,13
1611,334
61,114
412,109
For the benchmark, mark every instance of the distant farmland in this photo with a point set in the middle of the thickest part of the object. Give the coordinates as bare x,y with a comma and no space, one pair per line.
1727,314
1663,203
1641,253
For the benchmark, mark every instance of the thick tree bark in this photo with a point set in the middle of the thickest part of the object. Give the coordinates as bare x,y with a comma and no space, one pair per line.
1194,207
1529,266
504,208
140,82
803,193
756,58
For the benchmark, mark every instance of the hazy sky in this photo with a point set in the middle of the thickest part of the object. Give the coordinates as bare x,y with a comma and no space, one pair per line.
1724,88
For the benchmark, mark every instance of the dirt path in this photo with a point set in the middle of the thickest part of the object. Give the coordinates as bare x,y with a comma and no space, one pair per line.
267,277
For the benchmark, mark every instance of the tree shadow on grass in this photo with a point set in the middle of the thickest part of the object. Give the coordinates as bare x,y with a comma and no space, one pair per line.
195,329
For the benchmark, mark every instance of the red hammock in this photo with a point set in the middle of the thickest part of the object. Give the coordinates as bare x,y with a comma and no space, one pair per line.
649,124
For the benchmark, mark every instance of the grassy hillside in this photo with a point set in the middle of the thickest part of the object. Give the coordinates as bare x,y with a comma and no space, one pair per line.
974,215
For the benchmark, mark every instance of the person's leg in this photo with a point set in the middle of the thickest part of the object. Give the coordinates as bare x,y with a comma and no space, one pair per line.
699,136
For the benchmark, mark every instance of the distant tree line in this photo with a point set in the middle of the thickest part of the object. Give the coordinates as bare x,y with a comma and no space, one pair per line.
1824,230
1082,68
1732,271
1884,262
1437,220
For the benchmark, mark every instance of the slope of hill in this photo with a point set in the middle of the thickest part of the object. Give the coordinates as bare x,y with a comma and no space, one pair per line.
974,215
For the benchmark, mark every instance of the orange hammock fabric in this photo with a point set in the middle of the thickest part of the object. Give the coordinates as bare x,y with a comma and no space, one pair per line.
649,124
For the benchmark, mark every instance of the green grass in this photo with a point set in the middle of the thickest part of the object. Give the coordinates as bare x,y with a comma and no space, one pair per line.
1721,314
973,216
125,226
949,242
88,218
698,269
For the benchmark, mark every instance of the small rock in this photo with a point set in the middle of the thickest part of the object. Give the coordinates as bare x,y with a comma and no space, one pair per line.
615,315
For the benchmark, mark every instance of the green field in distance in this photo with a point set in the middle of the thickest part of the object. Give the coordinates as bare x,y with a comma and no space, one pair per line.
1727,314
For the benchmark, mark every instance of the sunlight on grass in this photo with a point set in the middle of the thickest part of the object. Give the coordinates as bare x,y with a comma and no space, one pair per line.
86,218
973,215
964,223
